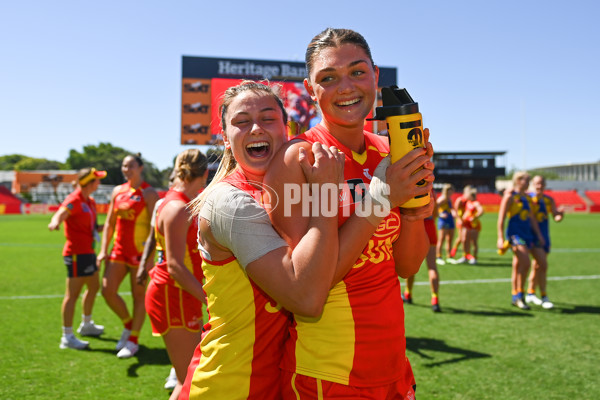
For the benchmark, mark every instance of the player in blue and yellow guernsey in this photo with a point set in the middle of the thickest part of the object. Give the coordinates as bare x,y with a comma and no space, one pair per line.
356,347
446,224
251,274
523,234
543,207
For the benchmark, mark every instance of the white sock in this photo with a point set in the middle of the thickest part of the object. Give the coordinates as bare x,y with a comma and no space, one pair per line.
86,318
67,331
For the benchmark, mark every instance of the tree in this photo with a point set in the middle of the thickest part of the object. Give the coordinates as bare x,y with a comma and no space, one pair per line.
20,162
7,163
107,157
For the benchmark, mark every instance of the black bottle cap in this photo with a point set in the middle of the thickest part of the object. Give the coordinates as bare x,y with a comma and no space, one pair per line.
395,102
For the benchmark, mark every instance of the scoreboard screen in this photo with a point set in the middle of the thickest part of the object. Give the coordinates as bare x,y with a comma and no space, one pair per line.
205,79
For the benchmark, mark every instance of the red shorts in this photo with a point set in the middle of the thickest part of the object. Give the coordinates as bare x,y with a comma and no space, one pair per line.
302,387
171,307
431,231
131,260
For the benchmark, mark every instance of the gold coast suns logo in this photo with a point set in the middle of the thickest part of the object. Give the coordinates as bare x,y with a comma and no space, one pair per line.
389,226
125,211
380,246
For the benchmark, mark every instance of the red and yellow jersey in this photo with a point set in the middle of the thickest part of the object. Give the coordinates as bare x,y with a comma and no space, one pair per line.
359,339
462,201
80,224
193,260
243,343
133,220
470,218
242,347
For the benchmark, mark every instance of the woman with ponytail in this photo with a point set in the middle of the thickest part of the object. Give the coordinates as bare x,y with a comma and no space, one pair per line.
174,296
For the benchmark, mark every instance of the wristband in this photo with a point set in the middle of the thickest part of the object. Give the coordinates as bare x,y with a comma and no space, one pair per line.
379,190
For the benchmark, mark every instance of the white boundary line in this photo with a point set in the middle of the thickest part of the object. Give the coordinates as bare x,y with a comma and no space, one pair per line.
47,296
460,282
504,280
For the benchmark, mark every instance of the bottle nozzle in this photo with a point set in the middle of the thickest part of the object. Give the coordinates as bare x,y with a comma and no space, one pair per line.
396,101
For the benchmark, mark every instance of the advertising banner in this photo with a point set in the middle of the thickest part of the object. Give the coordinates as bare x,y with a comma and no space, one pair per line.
205,79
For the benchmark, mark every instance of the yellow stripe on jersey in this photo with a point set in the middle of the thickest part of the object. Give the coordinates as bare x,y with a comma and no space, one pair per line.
333,334
224,357
362,158
142,228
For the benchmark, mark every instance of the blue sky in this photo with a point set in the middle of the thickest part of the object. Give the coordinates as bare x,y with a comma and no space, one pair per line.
516,76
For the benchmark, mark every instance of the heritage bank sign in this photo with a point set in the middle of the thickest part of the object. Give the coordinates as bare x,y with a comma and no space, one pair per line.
204,79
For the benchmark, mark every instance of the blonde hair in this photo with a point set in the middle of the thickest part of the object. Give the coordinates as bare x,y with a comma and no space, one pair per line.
520,174
472,193
445,188
228,162
190,164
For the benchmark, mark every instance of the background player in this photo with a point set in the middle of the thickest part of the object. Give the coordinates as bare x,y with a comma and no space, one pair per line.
128,218
543,205
522,232
446,224
471,226
174,296
430,259
78,212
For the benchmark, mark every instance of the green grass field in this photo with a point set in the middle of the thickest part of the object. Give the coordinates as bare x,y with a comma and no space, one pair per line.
479,347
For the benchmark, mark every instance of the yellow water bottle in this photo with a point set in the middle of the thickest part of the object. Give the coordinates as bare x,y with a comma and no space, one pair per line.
504,248
405,130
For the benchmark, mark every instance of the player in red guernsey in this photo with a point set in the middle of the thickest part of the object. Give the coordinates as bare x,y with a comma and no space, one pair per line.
78,212
174,296
356,346
128,219
250,273
472,226
459,206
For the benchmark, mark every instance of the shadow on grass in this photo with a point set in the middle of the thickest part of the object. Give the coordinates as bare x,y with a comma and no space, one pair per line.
145,356
497,312
565,308
421,345
491,263
148,356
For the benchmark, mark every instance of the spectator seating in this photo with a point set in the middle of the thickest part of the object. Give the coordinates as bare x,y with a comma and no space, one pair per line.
568,200
594,196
